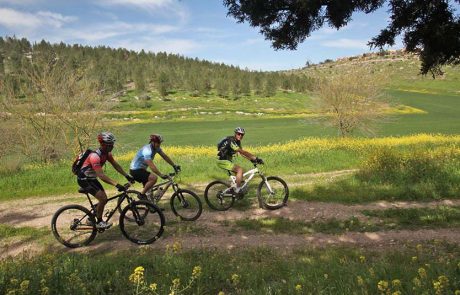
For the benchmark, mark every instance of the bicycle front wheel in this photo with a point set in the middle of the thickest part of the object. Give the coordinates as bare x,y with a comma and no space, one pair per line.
215,197
186,205
123,202
73,226
142,222
273,193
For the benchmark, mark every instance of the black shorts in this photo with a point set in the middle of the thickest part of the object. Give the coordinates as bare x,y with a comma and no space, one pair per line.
91,185
140,175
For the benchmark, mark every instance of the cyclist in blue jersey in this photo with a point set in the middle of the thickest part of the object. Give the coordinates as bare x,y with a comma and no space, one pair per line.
144,159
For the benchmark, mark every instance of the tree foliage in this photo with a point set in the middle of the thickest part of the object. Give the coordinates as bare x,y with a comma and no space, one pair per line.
429,27
351,101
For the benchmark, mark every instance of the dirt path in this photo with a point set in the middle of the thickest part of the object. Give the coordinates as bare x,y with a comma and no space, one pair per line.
210,230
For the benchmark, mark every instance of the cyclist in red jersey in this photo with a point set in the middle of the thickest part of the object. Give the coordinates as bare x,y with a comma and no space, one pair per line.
92,169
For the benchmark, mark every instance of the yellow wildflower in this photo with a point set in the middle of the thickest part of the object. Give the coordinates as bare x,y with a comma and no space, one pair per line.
414,258
298,287
422,273
417,282
24,285
221,293
362,258
372,272
176,283
360,281
153,287
457,292
235,279
326,276
419,247
177,246
382,285
396,283
137,276
196,271
396,293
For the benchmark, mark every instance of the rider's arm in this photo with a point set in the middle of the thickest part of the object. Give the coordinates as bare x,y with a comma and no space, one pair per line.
246,154
100,174
153,167
117,167
166,158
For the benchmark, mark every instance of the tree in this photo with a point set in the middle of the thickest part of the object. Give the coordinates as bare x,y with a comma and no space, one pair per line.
350,101
163,84
431,27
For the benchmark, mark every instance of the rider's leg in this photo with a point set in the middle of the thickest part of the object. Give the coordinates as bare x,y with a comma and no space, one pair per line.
152,179
101,196
239,176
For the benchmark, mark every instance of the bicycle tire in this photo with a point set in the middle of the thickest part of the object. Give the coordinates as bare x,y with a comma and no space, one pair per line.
70,220
213,197
191,209
147,227
275,200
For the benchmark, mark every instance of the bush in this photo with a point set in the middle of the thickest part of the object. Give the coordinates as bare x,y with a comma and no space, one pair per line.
432,173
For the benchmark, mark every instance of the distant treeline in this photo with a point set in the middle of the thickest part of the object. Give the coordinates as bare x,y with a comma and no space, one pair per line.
111,69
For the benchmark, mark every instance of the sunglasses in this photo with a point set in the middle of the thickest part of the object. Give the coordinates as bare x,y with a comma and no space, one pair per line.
241,134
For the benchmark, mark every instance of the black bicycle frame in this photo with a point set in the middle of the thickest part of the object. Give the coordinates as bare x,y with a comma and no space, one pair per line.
125,196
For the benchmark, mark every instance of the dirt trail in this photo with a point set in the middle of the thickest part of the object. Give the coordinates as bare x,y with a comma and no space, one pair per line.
210,230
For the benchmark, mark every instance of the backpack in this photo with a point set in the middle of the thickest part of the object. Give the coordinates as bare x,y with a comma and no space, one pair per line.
78,163
222,143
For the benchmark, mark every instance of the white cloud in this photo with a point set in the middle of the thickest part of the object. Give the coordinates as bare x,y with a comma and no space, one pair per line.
103,31
164,7
346,43
179,46
17,20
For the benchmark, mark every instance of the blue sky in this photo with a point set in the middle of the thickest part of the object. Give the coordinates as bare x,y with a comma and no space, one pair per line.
193,28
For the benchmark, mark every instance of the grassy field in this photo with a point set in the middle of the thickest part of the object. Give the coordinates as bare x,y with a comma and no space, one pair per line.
427,269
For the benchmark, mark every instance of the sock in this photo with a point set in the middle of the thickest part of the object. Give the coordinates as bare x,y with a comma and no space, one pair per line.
237,189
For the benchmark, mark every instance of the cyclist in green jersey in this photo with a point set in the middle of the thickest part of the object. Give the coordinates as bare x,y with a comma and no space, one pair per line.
227,148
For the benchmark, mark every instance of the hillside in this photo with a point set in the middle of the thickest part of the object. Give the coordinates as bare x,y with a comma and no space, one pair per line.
401,67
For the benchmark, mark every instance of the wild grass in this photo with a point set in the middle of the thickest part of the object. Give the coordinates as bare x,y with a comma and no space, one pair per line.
430,268
295,157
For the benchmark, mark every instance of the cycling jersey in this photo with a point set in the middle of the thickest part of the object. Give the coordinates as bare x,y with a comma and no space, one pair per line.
229,148
94,161
147,152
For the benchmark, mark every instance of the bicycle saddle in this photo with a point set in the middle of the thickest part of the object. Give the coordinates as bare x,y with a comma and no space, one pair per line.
82,190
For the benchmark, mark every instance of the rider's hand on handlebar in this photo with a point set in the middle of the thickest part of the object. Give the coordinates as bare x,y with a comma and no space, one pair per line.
130,178
164,176
120,187
177,168
257,161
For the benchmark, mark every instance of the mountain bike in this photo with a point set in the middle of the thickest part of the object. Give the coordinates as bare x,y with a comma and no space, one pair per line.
141,222
272,191
185,204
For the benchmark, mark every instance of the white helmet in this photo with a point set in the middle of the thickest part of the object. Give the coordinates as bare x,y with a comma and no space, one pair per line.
239,130
106,137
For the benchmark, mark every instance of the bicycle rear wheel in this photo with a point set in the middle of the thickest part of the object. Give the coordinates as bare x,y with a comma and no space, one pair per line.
273,193
73,226
214,197
142,222
186,204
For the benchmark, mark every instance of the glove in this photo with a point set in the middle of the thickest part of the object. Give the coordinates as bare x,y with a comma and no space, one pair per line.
258,161
120,188
130,178
164,176
176,168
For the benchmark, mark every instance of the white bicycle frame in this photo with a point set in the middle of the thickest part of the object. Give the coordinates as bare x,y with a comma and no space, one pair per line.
247,177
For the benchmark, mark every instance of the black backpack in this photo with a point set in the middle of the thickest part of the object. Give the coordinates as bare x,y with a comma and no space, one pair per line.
222,143
81,158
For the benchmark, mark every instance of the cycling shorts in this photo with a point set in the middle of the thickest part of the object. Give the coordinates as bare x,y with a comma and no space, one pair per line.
91,185
140,175
225,164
